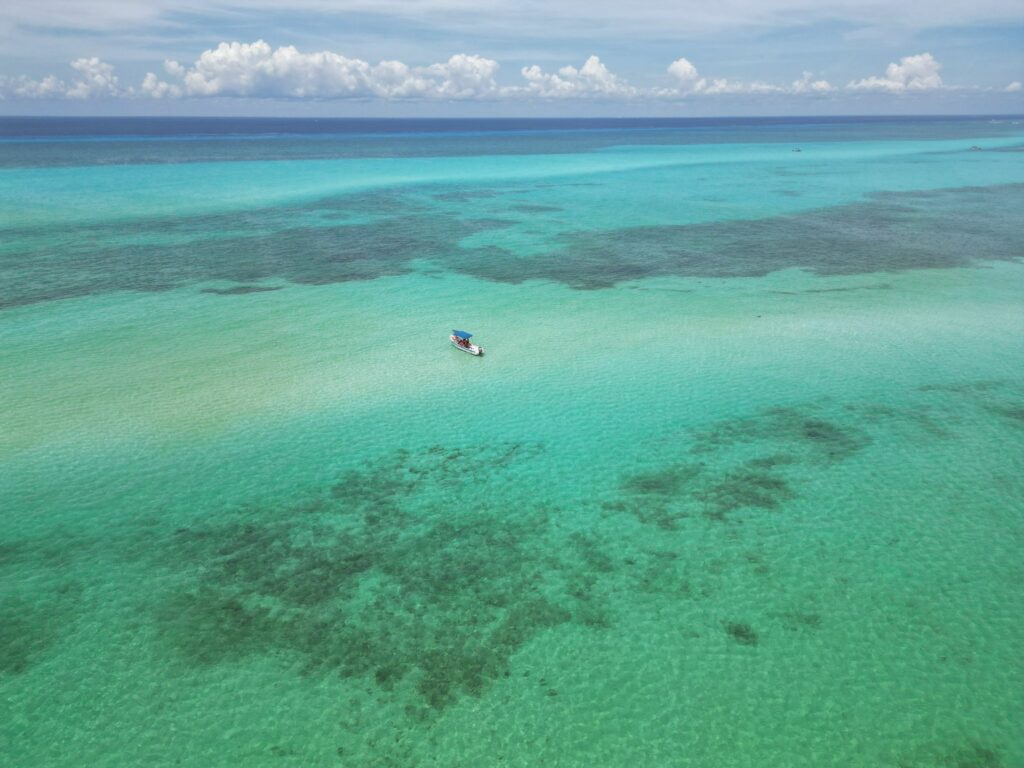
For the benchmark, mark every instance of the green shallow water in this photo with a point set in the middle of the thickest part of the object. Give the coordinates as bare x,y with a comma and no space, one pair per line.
724,510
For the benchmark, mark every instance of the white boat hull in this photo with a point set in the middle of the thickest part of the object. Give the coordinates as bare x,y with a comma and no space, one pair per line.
471,348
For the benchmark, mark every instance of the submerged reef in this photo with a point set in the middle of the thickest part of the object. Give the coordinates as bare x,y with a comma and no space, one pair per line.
397,574
802,431
798,621
1003,398
742,633
654,497
745,487
31,626
726,479
758,462
326,241
891,232
413,579
40,603
360,237
1014,413
26,632
970,754
241,290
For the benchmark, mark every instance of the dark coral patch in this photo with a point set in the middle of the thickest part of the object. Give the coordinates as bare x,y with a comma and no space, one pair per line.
969,388
1014,413
745,488
771,462
728,479
801,620
241,290
971,754
25,634
920,418
742,633
801,429
658,497
373,234
464,195
662,572
663,482
665,497
385,578
535,208
974,756
833,442
304,244
848,289
894,232
998,397
29,629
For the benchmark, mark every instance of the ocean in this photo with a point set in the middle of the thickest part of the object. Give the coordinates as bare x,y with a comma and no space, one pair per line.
738,482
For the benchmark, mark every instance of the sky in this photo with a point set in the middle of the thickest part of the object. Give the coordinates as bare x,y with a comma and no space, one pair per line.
460,58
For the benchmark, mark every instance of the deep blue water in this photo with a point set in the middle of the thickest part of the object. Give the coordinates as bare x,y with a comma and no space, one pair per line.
138,140
113,127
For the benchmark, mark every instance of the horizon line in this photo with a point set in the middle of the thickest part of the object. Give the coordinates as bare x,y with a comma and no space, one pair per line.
524,117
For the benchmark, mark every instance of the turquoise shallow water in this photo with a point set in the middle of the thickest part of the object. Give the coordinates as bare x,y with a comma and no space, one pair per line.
738,483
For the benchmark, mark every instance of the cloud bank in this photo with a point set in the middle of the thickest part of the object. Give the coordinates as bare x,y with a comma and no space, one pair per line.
257,70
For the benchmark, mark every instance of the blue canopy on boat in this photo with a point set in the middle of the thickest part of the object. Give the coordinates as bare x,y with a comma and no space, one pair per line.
462,334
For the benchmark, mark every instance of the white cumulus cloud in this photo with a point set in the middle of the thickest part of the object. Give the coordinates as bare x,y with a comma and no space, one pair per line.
258,70
156,88
173,68
807,84
912,73
686,73
464,76
690,82
93,77
593,79
724,85
25,87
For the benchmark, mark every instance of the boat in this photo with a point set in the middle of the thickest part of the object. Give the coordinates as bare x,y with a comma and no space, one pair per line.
461,340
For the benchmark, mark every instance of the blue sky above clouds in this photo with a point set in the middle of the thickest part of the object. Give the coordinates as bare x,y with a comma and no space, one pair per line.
485,57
